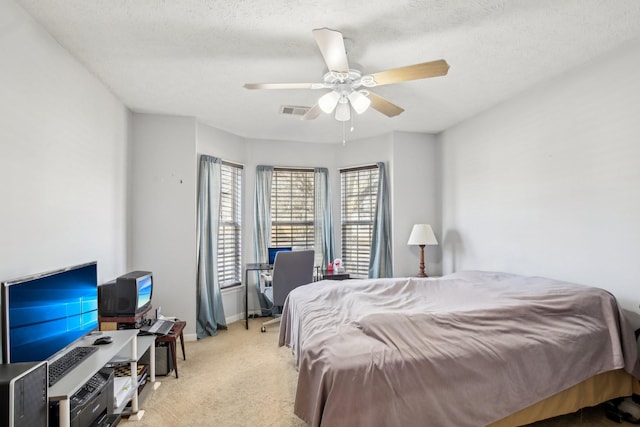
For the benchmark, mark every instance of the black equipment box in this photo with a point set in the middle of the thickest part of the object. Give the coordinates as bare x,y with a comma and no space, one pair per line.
24,394
164,364
91,411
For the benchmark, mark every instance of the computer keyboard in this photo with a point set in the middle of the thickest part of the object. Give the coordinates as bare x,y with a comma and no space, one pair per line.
60,367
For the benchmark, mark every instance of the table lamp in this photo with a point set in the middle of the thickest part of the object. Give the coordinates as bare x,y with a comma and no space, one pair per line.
422,235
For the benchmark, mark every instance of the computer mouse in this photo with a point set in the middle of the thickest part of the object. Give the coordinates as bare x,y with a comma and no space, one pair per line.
103,340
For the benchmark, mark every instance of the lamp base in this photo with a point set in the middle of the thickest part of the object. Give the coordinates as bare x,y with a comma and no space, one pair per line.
422,273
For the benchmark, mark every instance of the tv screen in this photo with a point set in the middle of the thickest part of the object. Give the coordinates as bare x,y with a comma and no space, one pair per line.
43,314
144,291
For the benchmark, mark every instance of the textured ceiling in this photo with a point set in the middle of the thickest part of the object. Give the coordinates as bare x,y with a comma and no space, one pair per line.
192,57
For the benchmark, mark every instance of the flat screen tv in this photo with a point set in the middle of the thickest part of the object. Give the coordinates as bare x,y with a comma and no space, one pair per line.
44,313
127,296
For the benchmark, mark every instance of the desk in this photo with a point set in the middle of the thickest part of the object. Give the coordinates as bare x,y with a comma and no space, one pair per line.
247,268
123,348
171,338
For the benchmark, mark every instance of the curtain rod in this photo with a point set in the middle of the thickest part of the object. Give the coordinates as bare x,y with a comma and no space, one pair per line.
358,167
295,169
234,164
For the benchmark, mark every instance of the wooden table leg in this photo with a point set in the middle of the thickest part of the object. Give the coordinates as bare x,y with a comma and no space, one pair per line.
184,356
172,348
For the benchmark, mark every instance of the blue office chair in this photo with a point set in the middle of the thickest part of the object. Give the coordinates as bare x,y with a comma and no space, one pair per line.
290,270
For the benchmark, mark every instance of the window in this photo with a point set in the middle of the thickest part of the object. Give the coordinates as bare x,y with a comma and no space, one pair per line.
359,192
292,208
229,232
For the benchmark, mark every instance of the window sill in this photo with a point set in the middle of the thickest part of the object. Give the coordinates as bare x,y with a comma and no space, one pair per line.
231,288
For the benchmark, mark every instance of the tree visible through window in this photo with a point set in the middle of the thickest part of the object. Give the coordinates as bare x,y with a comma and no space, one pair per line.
292,208
229,231
359,189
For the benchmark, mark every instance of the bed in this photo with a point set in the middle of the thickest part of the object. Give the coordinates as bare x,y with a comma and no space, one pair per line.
467,349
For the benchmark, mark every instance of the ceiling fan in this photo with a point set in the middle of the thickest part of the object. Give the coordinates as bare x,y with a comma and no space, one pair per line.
349,88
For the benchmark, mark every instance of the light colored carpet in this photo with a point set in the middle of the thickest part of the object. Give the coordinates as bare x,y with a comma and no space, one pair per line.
242,378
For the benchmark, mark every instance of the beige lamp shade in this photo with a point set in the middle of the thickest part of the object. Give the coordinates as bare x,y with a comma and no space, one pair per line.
422,234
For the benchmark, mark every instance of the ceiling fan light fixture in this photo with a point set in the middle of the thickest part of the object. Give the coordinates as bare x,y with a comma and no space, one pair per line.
343,112
359,101
328,101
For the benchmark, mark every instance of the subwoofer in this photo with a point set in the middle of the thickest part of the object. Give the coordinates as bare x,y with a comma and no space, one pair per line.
24,395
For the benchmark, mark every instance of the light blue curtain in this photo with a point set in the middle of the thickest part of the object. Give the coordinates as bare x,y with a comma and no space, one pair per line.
323,218
209,309
380,262
262,225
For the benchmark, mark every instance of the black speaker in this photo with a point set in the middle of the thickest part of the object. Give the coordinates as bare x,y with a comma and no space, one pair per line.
24,395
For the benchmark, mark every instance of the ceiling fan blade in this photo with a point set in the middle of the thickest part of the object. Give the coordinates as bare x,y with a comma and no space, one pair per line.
281,86
331,46
410,72
385,107
312,114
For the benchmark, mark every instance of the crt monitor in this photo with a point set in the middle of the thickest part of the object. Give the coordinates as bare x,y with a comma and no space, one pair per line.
127,296
273,251
43,314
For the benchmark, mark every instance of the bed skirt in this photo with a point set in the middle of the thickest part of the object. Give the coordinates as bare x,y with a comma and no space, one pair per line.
591,392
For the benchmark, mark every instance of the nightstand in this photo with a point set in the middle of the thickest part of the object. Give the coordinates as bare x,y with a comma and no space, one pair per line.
332,275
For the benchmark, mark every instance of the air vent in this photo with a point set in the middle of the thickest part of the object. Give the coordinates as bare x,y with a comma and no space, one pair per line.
292,110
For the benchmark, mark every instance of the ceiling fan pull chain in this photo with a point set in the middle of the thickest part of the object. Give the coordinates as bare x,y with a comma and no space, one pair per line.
344,138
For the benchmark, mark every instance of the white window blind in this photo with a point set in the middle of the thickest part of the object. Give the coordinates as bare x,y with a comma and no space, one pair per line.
229,231
292,208
359,189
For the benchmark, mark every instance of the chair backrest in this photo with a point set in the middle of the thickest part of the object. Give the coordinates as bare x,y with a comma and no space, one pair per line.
290,270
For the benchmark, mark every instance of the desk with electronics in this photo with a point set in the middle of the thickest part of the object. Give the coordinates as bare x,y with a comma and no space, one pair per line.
59,368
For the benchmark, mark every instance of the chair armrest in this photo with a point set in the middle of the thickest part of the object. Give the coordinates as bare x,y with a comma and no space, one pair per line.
265,281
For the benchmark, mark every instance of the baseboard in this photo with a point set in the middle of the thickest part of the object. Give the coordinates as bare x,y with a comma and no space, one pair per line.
190,337
240,316
234,318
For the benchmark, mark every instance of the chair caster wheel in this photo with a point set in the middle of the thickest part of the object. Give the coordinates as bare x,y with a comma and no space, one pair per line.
263,329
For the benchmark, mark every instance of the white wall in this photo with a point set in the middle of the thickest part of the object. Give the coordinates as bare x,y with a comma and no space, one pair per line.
162,210
63,139
415,200
218,143
549,183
